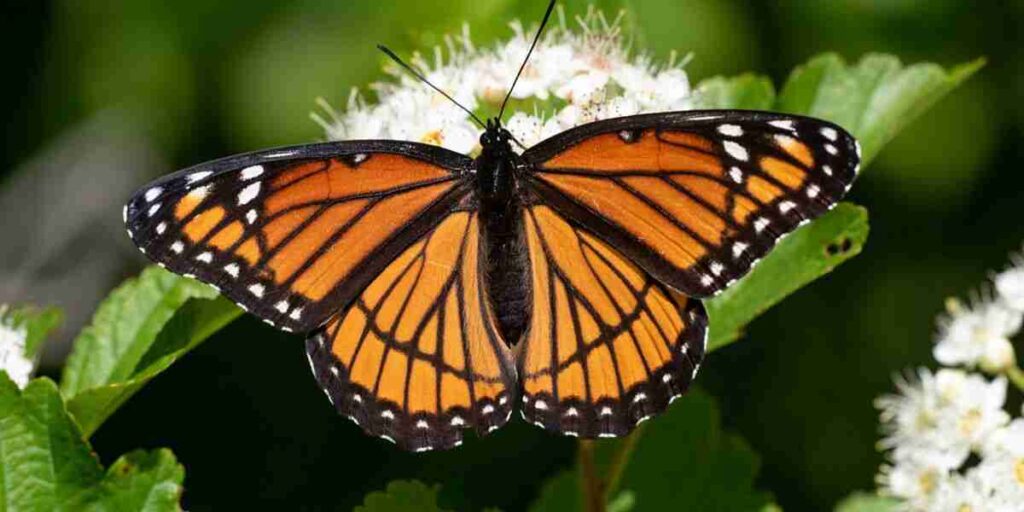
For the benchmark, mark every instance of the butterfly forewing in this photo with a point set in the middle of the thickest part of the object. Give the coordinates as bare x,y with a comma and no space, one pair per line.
607,346
416,358
293,234
695,198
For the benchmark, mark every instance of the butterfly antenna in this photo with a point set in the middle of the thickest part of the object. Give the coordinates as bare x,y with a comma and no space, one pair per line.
423,79
540,30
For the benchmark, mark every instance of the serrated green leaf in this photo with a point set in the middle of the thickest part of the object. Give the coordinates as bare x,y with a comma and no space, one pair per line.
874,99
866,502
45,463
747,91
137,333
803,256
36,322
402,496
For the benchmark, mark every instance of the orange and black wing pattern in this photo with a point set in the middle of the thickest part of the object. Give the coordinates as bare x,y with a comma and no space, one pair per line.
417,357
695,198
294,234
607,345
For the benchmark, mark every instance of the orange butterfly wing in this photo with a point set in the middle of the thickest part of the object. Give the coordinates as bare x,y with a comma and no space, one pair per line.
293,234
417,357
695,198
607,346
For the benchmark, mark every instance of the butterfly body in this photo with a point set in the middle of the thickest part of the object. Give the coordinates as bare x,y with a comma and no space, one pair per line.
441,292
497,171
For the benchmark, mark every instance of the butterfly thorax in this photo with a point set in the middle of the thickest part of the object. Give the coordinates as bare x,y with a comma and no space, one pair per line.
500,210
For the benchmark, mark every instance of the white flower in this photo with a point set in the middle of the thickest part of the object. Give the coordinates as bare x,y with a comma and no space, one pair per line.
12,353
916,481
979,334
941,418
963,493
1010,285
573,77
1002,468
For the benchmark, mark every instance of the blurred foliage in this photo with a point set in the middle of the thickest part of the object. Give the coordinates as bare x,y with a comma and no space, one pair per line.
402,496
213,78
864,502
46,465
37,324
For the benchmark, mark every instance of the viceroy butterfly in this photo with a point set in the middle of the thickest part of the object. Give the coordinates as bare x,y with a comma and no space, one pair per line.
439,291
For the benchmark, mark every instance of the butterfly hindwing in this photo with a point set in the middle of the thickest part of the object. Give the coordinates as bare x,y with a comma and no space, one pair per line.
695,198
417,357
607,345
292,234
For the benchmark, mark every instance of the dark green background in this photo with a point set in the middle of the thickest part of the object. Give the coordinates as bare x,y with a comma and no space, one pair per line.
204,79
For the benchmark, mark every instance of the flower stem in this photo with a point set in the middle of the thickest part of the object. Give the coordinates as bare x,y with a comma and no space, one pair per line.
621,460
590,482
1016,376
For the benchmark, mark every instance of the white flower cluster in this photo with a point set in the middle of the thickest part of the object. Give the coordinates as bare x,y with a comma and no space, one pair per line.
12,351
573,77
939,420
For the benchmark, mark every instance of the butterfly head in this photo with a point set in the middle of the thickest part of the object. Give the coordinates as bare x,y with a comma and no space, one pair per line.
496,138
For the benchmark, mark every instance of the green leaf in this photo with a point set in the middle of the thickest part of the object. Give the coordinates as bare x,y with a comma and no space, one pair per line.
874,99
683,457
45,464
803,256
747,91
37,324
402,496
686,457
866,502
137,333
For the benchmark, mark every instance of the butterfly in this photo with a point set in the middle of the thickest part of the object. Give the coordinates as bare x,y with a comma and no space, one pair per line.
439,292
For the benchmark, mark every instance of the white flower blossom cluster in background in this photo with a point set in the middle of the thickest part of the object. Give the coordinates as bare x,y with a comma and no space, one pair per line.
12,351
939,420
580,75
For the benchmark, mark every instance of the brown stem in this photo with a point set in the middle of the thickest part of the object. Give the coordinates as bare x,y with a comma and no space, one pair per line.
621,460
590,482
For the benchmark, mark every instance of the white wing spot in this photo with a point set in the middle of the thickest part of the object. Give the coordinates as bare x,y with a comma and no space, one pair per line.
124,214
388,438
572,412
205,257
458,421
812,191
250,216
153,209
760,224
422,424
706,280
831,149
503,400
357,399
160,228
667,377
282,306
334,370
829,133
199,193
717,268
249,193
736,174
856,145
827,170
386,414
684,349
730,130
735,150
295,314
640,397
738,248
198,176
177,247
606,411
359,158
540,405
256,289
231,269
252,172
786,206
487,409
153,193
785,125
